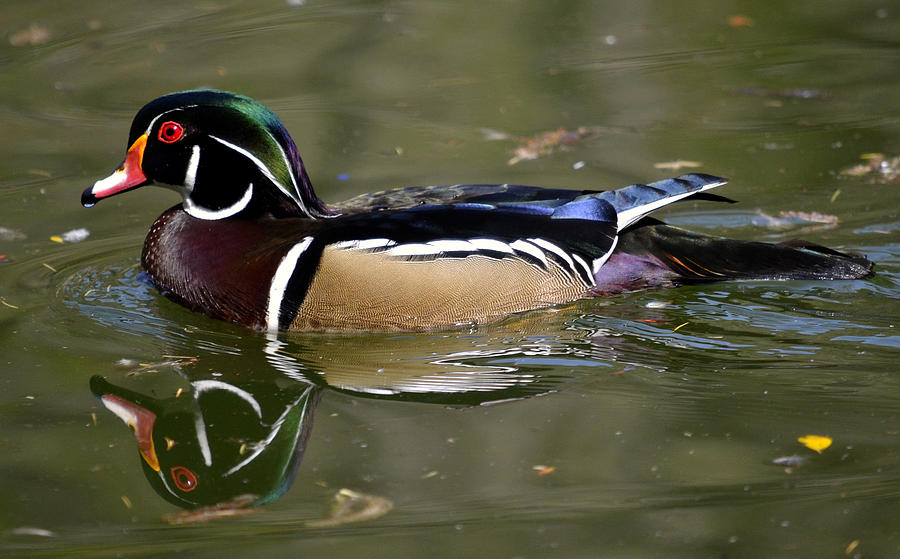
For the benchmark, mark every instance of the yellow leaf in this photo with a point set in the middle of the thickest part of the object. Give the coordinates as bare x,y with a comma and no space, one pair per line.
815,442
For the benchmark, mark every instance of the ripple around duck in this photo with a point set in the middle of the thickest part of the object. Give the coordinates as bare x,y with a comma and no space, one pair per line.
103,281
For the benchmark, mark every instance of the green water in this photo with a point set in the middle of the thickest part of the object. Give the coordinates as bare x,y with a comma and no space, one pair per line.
644,425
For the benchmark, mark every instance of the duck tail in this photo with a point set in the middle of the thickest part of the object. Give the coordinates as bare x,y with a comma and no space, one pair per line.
654,254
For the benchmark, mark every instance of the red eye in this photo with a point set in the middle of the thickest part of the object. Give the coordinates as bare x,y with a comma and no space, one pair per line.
184,479
170,132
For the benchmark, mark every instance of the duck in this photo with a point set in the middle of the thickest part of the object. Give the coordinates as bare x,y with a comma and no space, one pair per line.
251,243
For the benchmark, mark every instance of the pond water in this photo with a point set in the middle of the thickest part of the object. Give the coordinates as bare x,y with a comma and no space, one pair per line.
656,423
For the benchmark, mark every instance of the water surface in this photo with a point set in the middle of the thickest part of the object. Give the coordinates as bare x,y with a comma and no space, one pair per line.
643,425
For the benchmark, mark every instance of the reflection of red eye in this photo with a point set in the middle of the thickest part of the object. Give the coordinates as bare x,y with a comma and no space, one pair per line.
184,479
170,132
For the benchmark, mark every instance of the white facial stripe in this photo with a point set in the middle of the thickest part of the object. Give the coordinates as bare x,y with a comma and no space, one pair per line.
265,171
125,414
280,280
157,117
627,217
202,213
265,443
190,176
202,439
201,386
287,164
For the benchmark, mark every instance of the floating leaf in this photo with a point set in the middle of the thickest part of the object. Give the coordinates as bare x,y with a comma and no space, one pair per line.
350,506
545,143
740,20
876,169
676,165
815,442
239,506
36,34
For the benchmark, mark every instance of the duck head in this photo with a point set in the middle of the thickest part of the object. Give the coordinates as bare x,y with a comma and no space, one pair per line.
228,155
218,441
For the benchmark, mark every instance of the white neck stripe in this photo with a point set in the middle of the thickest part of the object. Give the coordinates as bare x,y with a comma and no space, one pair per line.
202,213
280,280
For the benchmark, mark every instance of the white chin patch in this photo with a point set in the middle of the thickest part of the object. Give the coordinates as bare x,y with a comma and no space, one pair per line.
203,213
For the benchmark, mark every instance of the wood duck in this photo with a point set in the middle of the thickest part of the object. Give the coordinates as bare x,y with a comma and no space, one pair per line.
253,244
219,440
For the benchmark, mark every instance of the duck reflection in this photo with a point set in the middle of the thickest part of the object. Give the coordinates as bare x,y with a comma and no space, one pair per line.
209,434
217,441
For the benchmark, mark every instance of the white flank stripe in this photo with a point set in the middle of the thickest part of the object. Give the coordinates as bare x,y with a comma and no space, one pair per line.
280,280
530,249
413,249
547,245
453,245
599,262
492,244
627,217
364,244
202,213
190,176
585,267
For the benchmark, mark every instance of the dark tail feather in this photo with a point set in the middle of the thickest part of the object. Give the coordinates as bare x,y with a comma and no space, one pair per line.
656,254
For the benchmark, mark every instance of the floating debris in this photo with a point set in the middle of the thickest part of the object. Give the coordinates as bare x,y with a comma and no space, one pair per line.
677,164
545,143
876,168
32,531
239,506
787,219
72,236
350,506
740,20
7,234
789,93
35,35
792,461
817,443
